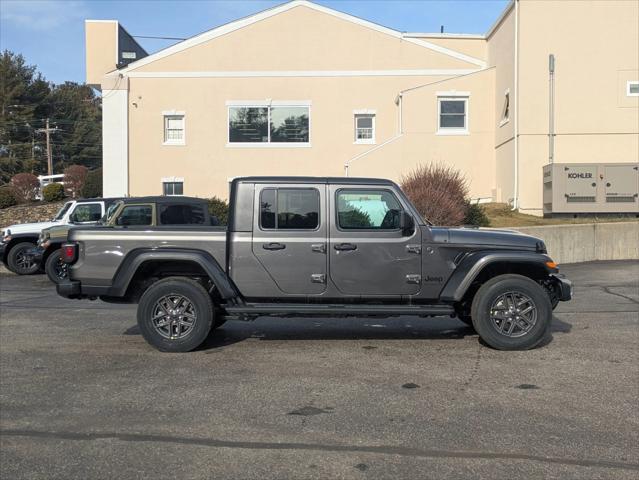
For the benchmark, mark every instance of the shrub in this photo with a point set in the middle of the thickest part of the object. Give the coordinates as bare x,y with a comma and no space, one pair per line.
25,187
74,177
53,192
439,193
7,197
476,215
219,209
93,184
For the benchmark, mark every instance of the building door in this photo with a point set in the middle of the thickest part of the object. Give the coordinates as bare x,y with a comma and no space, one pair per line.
290,234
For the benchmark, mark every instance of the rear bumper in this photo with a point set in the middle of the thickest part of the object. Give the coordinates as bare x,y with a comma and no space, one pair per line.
563,287
69,289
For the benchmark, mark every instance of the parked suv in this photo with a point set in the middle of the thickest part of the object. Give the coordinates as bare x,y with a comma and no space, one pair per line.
301,246
123,213
15,240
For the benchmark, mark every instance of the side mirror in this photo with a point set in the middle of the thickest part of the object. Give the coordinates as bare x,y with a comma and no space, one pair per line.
406,223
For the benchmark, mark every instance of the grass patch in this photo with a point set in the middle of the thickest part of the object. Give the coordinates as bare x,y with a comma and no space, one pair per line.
501,215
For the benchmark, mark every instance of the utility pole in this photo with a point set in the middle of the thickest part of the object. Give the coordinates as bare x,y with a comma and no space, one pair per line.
47,131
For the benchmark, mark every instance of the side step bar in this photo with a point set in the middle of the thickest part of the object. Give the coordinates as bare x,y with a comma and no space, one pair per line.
299,309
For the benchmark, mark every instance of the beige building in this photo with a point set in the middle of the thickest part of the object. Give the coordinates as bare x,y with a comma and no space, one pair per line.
301,89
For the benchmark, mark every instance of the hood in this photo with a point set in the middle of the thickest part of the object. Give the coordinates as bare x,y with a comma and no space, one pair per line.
30,228
487,238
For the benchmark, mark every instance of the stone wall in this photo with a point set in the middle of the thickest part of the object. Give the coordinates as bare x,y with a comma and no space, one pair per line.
31,212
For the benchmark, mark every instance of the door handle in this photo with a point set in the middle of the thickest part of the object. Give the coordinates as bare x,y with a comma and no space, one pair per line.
273,246
345,246
318,247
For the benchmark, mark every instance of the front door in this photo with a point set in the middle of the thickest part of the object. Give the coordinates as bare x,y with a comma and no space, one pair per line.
289,236
368,252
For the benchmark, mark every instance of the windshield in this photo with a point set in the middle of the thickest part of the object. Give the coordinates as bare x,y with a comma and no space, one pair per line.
108,215
62,211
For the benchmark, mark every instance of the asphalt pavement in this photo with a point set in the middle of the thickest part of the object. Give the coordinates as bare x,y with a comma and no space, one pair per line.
83,396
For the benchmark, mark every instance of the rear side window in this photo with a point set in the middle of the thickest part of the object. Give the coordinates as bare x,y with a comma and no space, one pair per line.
136,215
367,210
185,214
289,208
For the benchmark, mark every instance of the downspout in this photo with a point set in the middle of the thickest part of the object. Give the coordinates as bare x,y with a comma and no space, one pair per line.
516,81
551,108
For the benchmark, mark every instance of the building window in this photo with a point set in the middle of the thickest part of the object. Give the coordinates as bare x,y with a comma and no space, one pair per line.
364,128
632,88
505,113
173,188
269,125
289,208
453,118
174,129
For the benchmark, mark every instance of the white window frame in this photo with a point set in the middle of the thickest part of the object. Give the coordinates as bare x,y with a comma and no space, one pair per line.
505,119
268,104
172,180
453,95
165,116
365,113
628,84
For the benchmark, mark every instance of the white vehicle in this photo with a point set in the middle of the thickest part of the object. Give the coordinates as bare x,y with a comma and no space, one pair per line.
16,240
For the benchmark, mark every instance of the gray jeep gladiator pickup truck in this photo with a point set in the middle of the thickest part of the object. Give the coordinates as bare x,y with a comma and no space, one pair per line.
304,246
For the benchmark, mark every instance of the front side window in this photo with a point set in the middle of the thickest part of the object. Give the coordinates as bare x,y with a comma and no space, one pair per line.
111,211
269,125
174,129
364,128
65,208
173,188
136,215
289,208
89,212
453,115
367,210
181,215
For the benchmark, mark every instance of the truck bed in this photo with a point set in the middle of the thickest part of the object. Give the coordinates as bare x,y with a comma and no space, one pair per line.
104,248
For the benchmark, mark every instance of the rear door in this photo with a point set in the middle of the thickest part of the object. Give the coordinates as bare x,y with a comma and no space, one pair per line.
368,253
290,234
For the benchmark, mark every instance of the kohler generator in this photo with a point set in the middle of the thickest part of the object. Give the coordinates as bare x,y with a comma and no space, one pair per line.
591,188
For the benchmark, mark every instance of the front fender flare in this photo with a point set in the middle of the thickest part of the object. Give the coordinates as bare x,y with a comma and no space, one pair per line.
134,259
473,264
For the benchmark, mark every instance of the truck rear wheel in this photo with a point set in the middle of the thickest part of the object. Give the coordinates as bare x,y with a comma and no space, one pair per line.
175,314
18,262
55,268
511,312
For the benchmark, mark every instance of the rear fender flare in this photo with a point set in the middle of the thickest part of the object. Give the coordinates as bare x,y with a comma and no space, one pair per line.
474,263
134,259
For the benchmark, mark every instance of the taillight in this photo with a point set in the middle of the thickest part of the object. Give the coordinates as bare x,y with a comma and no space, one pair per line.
69,252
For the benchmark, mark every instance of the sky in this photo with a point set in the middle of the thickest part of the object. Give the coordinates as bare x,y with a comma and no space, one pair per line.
50,33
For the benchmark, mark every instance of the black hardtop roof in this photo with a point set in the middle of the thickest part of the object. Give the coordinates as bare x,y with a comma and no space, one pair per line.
327,180
164,199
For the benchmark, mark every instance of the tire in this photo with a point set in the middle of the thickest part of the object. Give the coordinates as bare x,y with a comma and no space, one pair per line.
181,328
16,261
505,328
55,268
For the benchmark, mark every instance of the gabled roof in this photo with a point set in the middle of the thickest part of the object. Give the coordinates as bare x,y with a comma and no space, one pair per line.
246,21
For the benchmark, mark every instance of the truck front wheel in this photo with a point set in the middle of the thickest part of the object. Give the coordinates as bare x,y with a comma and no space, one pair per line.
55,268
511,312
175,314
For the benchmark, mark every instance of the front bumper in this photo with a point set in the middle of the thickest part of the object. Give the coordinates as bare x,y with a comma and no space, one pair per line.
69,289
563,287
34,254
3,247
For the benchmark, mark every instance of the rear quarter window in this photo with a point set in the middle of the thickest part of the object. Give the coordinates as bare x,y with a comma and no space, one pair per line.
181,214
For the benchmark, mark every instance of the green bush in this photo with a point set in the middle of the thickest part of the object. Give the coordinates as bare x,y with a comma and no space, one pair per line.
7,197
476,215
53,192
219,209
93,184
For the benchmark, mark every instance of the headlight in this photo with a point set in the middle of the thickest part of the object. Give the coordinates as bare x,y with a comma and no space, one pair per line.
6,235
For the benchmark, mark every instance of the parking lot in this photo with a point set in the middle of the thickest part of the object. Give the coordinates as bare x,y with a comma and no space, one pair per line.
83,396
